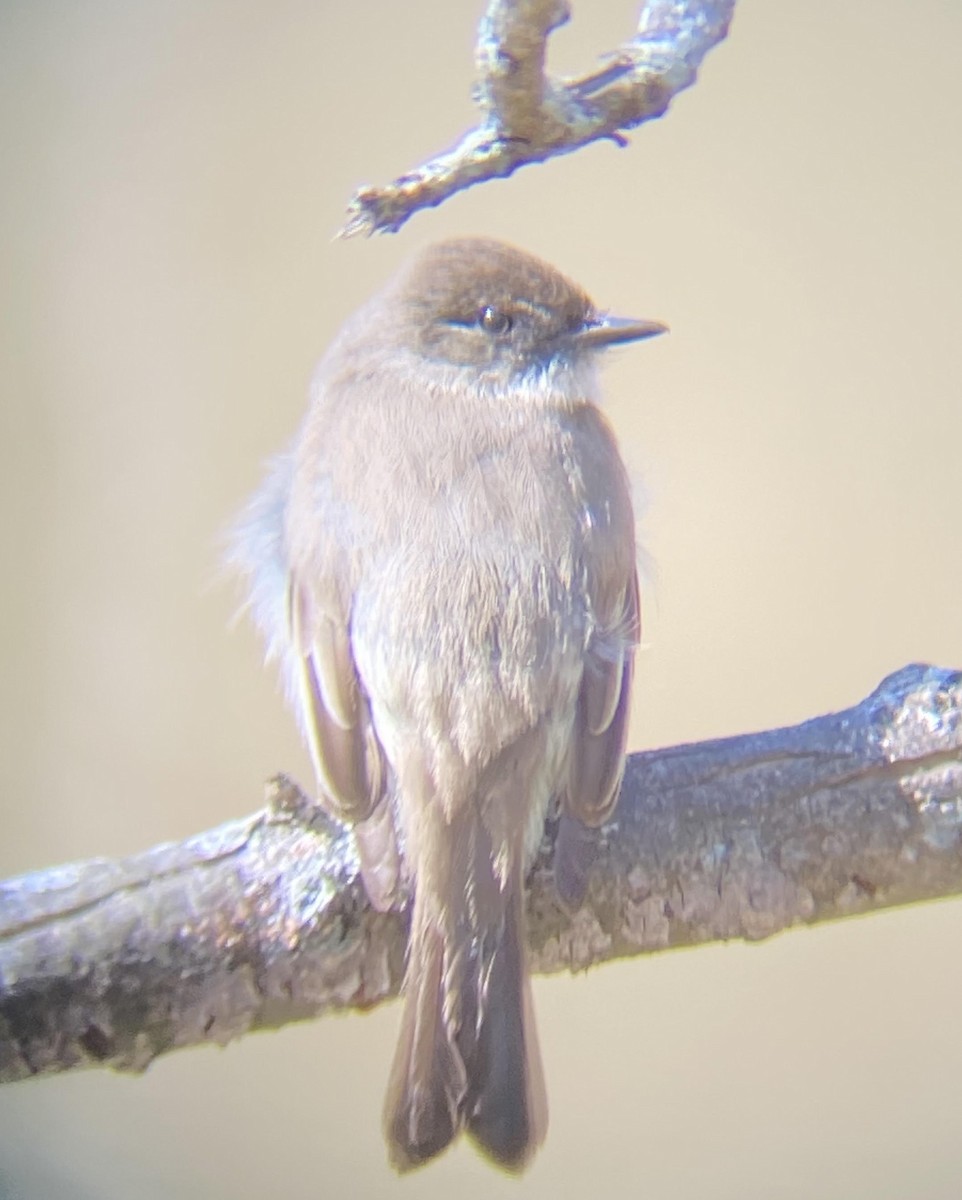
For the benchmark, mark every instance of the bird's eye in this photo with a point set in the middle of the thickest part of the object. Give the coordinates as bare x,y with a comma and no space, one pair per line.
494,320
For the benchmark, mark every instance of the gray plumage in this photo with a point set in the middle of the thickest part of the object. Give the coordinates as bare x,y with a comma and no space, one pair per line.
445,564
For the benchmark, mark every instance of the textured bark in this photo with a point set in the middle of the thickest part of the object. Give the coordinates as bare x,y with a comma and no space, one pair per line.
526,116
264,921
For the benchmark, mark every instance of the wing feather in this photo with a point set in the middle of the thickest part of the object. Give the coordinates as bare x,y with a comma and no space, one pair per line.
601,722
337,720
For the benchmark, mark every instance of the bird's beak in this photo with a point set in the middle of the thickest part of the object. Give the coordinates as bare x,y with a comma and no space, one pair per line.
604,330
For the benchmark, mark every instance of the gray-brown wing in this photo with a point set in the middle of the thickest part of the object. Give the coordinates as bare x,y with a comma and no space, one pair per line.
597,757
337,719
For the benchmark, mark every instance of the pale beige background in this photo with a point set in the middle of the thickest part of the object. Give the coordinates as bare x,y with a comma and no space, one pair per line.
172,173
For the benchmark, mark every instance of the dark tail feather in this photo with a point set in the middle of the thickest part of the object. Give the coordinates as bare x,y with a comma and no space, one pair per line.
506,1110
425,1093
468,1053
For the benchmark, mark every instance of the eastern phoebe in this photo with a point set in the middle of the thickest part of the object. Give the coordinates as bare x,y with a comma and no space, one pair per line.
445,565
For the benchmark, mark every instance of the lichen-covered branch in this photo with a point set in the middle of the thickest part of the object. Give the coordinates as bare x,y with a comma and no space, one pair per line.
264,921
526,116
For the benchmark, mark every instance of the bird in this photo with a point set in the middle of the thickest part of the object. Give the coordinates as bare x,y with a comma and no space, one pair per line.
444,563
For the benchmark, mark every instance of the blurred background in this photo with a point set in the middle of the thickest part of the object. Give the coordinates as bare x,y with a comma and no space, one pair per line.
174,173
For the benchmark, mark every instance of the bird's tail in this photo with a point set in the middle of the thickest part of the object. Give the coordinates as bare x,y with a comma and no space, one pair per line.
468,1056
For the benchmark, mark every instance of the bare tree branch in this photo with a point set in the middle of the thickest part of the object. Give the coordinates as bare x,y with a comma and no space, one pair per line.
527,117
264,921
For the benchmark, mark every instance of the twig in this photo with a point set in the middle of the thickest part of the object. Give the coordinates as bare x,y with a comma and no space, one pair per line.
264,921
527,116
